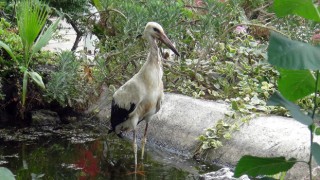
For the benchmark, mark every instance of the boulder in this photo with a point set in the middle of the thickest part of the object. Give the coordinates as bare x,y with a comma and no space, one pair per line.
182,119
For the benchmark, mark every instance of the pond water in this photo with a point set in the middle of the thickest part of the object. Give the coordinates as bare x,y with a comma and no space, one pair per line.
62,153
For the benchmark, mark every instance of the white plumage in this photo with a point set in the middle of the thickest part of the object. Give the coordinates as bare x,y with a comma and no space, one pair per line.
140,97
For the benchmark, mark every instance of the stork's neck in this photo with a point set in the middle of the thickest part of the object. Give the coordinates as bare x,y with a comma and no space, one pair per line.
154,50
152,68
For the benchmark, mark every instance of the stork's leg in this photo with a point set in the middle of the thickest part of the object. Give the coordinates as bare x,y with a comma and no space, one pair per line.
135,148
144,140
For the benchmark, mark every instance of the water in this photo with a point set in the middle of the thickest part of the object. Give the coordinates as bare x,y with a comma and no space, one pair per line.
50,153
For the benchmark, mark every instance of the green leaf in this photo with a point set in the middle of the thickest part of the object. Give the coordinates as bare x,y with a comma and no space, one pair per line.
296,84
98,5
6,174
303,8
315,129
37,79
8,49
315,149
289,54
31,17
46,36
278,100
254,166
234,105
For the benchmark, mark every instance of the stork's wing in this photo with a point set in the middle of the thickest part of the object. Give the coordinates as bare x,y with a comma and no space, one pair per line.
124,102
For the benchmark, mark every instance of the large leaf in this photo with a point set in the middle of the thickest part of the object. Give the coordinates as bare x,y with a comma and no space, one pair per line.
98,5
289,54
31,17
46,36
255,166
6,174
303,8
278,100
37,79
8,49
315,149
296,84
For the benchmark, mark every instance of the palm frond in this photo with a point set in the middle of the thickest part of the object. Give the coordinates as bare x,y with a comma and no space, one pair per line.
46,36
31,17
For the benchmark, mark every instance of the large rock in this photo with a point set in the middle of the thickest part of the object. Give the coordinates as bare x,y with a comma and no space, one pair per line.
222,174
182,119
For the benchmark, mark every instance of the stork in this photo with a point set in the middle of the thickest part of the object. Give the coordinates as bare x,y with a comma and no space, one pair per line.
140,97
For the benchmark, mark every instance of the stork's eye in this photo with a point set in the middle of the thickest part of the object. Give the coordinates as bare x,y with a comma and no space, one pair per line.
156,30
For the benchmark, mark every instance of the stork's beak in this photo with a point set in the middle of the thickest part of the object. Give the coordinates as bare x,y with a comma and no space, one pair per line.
163,38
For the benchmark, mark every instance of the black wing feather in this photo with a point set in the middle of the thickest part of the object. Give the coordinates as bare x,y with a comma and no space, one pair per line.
119,115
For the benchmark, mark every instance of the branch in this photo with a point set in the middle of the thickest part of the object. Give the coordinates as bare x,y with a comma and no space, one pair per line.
78,32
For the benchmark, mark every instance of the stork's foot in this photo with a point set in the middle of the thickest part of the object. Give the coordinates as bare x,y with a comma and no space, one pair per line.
138,169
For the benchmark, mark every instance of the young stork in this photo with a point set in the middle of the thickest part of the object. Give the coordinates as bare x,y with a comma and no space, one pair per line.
140,97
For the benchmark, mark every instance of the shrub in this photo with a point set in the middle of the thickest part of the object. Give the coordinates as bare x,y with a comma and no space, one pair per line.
67,84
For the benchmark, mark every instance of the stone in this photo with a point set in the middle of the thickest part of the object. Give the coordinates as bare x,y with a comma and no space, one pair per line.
222,174
44,117
182,119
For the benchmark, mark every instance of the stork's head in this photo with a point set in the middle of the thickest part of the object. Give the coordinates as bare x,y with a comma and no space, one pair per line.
155,31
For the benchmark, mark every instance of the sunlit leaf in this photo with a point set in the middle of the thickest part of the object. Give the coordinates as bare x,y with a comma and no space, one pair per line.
37,79
278,100
98,5
46,36
31,17
255,166
8,49
6,174
296,84
290,54
315,149
315,129
234,105
303,8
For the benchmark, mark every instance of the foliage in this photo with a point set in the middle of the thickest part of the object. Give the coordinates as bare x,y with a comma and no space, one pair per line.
70,7
207,69
294,57
213,136
31,18
67,85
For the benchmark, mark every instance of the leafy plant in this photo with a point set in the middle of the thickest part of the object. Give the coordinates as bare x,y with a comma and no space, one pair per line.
31,19
67,84
213,136
299,71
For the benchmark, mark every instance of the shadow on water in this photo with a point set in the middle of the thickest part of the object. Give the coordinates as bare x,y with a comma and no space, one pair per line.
73,154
